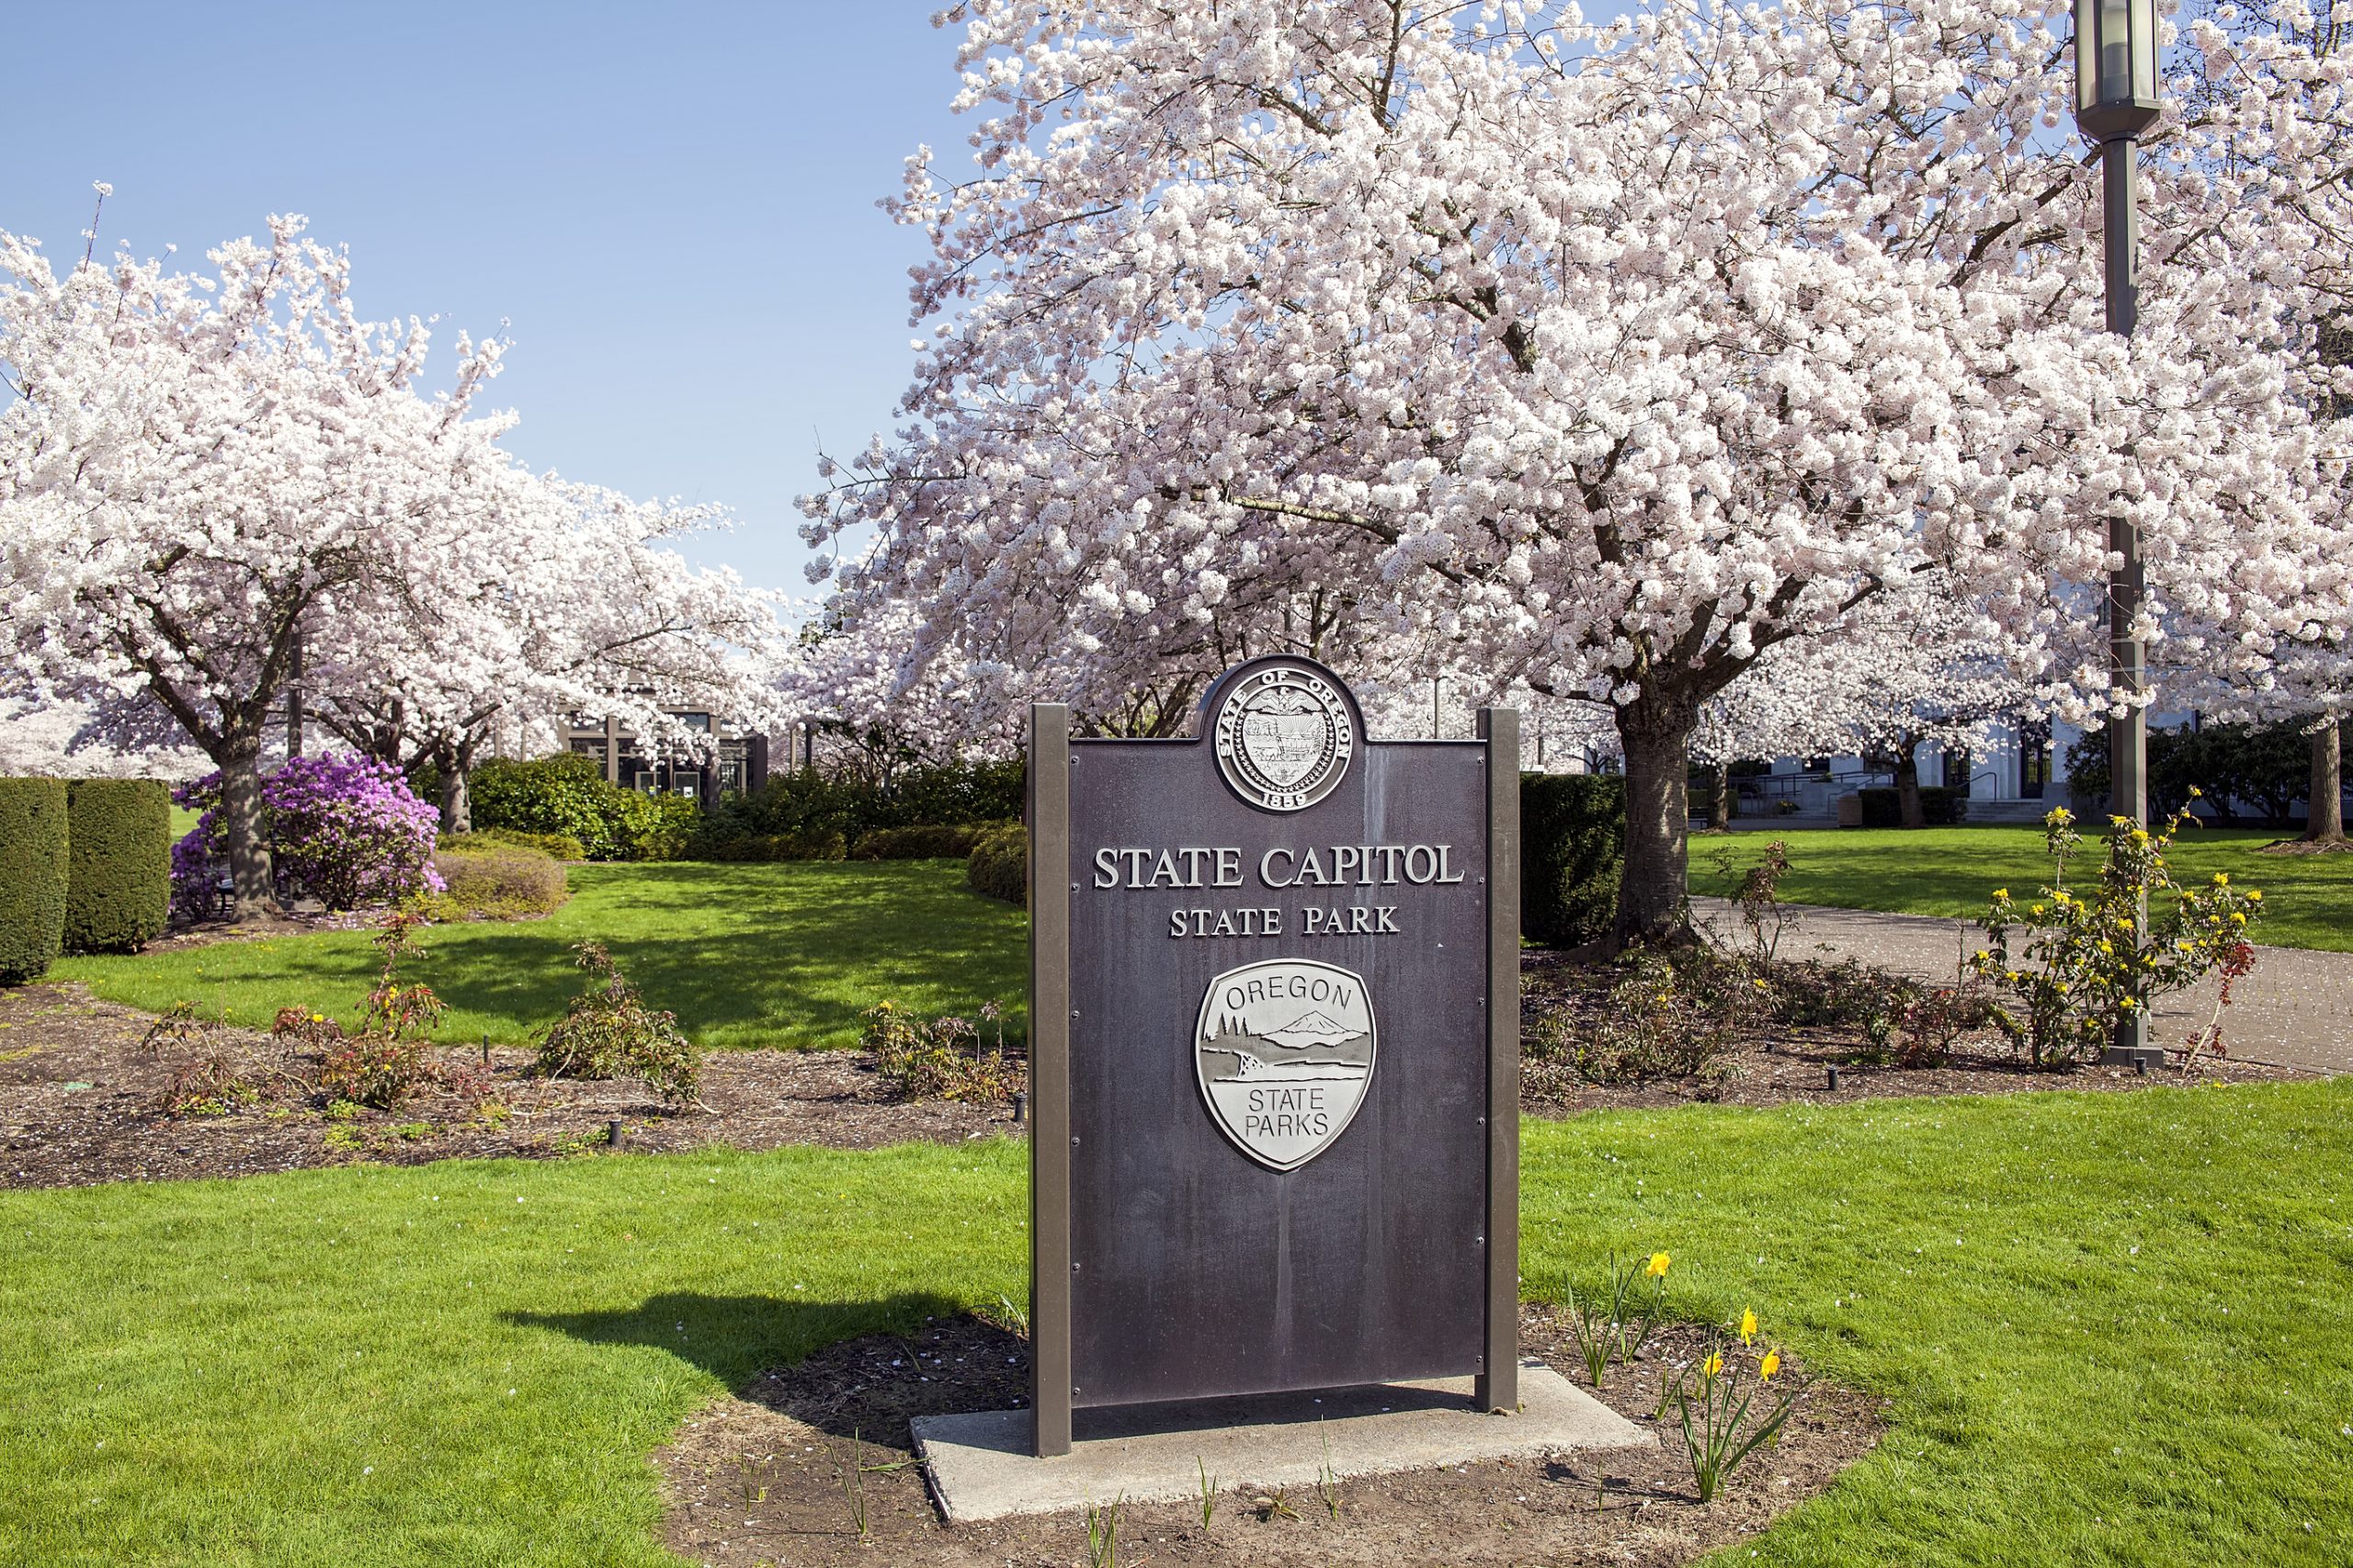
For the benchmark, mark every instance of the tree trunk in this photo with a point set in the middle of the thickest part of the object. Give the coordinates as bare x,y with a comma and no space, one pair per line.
241,824
2325,813
1720,798
1654,891
1907,784
457,798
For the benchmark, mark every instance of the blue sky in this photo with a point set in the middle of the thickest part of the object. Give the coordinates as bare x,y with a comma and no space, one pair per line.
672,207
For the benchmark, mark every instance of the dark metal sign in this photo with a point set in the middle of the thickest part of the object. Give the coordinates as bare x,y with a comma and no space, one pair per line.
1274,1003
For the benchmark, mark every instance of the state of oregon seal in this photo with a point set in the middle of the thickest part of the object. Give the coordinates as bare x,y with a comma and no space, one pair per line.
1284,737
1284,1052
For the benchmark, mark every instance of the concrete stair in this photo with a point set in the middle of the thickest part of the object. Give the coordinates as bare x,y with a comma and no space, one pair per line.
2030,812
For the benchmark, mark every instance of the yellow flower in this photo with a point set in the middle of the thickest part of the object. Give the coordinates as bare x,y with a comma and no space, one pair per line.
2222,879
2196,793
1712,1365
1747,1325
2237,918
2254,895
318,1017
2106,945
1983,955
1770,1365
1657,1269
2126,1003
2001,892
2139,836
2037,910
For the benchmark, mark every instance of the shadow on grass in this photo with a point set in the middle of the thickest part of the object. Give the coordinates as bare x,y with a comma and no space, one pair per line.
848,1368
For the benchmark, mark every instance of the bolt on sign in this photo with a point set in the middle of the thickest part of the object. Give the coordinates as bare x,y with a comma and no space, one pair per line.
1274,1054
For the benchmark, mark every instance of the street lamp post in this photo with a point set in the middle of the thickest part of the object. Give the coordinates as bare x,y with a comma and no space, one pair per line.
2116,99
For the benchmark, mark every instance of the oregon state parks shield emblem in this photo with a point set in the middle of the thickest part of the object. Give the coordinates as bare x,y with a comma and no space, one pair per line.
1284,1051
1284,736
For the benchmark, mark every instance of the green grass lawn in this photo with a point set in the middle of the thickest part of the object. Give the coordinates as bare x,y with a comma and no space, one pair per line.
2110,1327
183,822
1950,871
744,955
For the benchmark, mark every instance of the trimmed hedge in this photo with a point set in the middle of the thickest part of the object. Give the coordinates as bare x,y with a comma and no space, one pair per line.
813,845
566,795
999,866
1939,807
945,841
487,879
1572,849
809,802
561,845
118,853
33,875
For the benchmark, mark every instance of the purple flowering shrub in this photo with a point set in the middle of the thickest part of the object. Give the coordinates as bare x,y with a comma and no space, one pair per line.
343,830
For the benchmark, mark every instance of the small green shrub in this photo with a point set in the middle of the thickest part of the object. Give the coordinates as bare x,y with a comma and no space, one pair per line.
34,876
1939,807
943,1059
119,852
950,841
1573,847
558,845
567,794
999,864
2082,958
384,1062
607,1031
1813,993
486,879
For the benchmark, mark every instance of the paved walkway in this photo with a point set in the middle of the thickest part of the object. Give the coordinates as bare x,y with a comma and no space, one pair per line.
2296,1009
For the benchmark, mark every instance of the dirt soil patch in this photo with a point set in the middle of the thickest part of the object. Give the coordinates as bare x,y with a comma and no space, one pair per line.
83,1100
761,1477
1780,1064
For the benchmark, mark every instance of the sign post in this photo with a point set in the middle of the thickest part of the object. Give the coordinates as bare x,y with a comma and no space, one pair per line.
1274,1004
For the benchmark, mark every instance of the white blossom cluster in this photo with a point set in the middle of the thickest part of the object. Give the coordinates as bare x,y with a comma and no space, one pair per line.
1603,359
200,475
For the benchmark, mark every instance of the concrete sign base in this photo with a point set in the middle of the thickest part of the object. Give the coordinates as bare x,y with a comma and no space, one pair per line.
981,1468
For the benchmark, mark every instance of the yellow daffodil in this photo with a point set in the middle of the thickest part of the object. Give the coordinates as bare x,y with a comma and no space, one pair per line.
2222,879
2254,895
1982,955
2237,918
1657,1269
1770,1365
1747,1325
2037,909
2126,1003
1712,1365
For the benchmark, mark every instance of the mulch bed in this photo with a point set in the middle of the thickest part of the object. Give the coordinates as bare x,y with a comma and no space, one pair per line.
1781,1065
758,1477
83,1100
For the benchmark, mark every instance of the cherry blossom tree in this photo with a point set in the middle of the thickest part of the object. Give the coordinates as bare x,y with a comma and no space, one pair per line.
197,473
1908,668
567,599
1612,357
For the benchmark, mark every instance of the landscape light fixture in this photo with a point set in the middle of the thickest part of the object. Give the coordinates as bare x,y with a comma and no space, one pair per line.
2116,99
